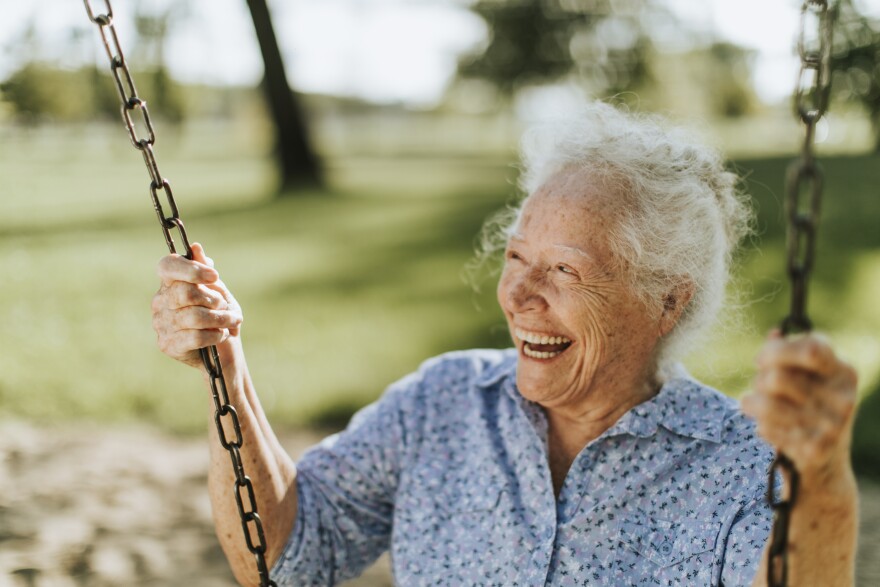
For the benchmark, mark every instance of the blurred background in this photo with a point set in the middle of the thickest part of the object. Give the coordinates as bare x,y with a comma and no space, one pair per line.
337,159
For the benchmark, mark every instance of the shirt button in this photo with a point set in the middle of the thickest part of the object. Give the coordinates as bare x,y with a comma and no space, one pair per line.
666,547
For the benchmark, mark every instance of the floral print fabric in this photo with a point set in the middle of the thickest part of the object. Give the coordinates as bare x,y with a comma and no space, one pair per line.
449,471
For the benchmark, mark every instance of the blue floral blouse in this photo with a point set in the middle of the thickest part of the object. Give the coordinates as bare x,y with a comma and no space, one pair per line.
449,471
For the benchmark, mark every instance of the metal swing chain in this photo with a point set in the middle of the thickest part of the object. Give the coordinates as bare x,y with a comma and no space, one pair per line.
803,181
245,499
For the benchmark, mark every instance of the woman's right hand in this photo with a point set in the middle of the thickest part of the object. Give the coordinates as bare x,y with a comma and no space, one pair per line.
193,309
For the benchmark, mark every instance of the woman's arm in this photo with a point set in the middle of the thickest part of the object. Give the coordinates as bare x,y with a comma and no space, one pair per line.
194,309
804,403
270,469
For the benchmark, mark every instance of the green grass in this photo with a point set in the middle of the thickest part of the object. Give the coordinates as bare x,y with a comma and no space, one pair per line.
342,291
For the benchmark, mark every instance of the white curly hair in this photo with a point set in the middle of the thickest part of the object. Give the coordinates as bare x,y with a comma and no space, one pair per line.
684,216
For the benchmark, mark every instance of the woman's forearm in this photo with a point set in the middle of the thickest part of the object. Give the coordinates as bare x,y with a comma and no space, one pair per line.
822,534
270,469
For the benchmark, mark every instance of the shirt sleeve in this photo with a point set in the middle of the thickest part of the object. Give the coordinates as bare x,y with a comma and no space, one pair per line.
345,491
745,544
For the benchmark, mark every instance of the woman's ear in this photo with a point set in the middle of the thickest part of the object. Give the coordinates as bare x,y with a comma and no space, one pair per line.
674,303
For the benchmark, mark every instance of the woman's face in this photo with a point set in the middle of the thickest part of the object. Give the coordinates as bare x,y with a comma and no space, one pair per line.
577,325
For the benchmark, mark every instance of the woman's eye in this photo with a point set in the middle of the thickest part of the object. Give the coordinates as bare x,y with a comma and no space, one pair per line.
565,269
513,256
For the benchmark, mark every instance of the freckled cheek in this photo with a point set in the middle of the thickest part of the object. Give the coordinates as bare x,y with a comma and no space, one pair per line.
590,316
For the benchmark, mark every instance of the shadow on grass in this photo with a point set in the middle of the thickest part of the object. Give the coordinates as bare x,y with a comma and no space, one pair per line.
124,221
445,231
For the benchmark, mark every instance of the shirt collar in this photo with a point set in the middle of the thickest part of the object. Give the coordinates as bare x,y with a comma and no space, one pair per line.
683,405
495,372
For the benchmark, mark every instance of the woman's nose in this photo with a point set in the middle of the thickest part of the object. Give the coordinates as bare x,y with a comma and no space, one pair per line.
525,293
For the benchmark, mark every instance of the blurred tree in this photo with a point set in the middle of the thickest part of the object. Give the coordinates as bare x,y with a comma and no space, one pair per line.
298,162
33,94
39,92
152,34
60,90
538,41
856,62
728,78
104,97
712,79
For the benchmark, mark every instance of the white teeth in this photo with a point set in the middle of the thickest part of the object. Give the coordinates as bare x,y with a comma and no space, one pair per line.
535,338
538,354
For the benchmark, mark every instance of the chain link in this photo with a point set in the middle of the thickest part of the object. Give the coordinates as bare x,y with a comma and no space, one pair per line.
803,198
225,417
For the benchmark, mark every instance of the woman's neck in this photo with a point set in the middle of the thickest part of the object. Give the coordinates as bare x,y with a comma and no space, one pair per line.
570,428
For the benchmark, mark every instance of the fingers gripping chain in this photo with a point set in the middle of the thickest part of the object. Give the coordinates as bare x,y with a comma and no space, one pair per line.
804,179
225,416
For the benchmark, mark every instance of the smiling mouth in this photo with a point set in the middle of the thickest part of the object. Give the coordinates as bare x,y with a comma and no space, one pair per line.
542,346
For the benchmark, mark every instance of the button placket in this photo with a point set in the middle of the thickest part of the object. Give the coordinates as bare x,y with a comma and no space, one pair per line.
575,496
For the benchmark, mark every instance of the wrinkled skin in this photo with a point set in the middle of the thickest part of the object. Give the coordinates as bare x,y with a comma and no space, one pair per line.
193,308
560,278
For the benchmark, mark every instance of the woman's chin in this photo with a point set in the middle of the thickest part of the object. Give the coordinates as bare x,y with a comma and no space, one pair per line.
536,381
547,381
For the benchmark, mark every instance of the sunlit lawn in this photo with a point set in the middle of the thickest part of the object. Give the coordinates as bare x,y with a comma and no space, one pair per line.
342,291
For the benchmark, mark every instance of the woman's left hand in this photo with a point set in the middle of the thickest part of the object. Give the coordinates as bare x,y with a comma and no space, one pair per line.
804,402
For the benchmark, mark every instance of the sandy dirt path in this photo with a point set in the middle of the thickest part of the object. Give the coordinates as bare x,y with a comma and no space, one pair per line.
93,506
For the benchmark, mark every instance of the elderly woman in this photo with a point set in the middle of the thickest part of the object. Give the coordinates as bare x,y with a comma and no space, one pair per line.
584,455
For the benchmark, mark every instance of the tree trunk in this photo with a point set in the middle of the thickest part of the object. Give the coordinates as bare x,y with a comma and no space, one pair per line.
299,165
